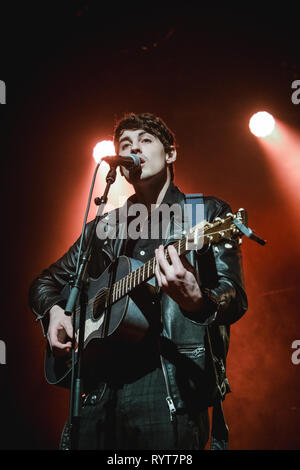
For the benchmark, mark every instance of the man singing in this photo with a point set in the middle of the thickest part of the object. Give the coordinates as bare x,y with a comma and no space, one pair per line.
154,393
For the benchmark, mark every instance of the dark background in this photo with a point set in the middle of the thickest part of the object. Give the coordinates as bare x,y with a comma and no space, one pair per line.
70,72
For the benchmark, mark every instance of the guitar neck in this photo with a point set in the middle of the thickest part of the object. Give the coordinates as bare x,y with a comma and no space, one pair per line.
125,285
206,233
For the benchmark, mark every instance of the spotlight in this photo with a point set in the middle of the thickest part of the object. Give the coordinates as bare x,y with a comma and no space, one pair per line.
262,124
103,149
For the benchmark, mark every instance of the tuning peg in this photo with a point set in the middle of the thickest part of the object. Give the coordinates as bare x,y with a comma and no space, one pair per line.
229,214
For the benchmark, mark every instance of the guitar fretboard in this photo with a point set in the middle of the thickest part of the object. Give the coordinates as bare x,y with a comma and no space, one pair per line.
125,285
211,233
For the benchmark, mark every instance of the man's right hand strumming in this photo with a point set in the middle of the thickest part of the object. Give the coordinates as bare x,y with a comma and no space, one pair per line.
60,331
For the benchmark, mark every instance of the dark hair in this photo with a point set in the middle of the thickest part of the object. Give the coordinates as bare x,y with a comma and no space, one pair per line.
150,123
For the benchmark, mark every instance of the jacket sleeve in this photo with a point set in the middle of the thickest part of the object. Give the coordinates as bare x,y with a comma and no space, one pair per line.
221,276
45,290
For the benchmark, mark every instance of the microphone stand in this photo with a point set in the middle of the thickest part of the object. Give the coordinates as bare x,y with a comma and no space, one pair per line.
78,292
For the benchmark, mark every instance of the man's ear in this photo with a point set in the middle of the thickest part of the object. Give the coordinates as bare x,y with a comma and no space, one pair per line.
171,155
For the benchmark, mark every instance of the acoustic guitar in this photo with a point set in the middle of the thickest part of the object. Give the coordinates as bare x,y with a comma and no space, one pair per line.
121,302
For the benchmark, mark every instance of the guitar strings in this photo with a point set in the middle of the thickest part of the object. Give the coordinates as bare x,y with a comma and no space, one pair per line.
180,246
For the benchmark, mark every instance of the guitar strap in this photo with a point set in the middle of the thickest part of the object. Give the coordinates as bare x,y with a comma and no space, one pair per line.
219,428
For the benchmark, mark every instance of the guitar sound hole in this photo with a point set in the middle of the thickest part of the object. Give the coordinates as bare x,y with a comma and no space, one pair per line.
99,303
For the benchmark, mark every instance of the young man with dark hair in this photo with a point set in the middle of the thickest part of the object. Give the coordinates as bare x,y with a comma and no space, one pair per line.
154,394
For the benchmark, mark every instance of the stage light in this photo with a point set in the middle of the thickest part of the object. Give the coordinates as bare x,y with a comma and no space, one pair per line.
103,149
262,124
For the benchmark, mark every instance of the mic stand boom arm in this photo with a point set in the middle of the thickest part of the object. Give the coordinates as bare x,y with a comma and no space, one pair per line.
76,293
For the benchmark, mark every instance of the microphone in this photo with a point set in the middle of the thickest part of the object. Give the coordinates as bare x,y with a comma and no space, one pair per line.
131,161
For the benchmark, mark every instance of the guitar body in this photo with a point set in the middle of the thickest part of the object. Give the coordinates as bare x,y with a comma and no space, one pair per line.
125,321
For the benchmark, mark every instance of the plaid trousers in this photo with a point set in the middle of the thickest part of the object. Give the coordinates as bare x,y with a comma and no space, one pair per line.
135,416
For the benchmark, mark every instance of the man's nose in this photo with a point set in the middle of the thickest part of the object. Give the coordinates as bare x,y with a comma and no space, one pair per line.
136,148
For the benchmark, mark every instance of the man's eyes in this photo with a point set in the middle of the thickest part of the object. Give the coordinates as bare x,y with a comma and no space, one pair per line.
124,146
127,144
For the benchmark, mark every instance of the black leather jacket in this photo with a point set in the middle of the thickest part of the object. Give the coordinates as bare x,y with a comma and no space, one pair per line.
193,346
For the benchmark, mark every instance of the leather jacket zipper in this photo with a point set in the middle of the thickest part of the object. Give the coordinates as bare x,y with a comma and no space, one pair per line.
169,398
193,350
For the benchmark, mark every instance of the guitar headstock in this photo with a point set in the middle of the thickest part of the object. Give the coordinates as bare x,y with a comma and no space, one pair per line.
206,233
